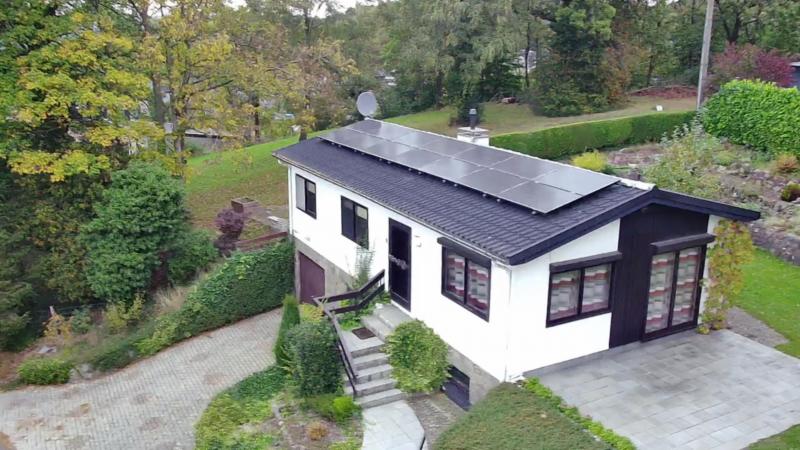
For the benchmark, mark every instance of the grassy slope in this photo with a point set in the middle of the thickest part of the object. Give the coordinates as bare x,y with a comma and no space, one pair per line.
788,440
216,178
501,119
513,418
772,294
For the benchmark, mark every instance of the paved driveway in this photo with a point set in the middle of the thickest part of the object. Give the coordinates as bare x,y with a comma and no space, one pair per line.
153,404
721,391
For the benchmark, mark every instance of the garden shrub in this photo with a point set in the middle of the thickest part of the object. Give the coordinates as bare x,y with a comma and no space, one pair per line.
81,321
310,313
118,315
194,252
314,364
44,371
115,352
332,407
595,161
790,192
757,114
606,435
230,224
558,142
316,430
418,357
291,317
786,163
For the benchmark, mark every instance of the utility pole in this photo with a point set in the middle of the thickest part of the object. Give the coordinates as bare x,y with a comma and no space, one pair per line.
704,53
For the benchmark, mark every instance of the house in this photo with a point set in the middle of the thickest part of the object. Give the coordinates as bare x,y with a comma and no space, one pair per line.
516,262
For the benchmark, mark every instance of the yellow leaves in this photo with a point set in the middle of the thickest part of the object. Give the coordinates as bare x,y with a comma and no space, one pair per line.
58,166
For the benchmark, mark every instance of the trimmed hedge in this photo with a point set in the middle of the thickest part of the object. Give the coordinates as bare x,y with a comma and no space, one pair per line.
290,318
757,114
558,142
314,364
245,285
44,371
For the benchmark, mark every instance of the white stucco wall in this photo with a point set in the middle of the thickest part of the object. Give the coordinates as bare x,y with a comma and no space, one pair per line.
482,342
531,343
713,221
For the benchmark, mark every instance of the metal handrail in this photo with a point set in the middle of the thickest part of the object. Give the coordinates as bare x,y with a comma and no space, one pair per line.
330,307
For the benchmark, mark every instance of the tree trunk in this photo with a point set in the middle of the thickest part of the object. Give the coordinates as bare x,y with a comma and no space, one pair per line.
527,53
159,109
438,89
650,68
256,119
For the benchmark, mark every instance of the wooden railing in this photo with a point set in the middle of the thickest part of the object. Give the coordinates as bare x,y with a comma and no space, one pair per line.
348,302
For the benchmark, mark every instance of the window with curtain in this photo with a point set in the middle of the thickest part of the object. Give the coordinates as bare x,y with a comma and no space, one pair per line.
305,195
674,287
355,222
579,293
466,281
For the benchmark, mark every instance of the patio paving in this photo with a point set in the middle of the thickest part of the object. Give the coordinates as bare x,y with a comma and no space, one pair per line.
721,391
392,426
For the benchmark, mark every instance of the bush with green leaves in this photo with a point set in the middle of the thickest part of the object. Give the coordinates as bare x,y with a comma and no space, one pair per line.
594,160
790,192
418,357
686,162
314,364
290,318
558,142
44,371
245,285
193,252
81,321
757,114
338,408
139,218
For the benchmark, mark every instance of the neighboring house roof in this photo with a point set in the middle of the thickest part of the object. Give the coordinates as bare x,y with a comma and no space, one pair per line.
504,231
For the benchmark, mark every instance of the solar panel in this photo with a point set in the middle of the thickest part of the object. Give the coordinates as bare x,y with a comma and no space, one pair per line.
534,183
539,197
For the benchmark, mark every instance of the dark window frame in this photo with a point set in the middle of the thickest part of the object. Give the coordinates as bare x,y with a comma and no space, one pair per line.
581,265
360,240
306,182
469,258
657,249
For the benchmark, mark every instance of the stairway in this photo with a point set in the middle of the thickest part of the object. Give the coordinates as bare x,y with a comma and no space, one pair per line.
374,383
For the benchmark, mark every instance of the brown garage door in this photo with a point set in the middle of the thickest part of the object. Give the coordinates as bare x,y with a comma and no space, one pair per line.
312,279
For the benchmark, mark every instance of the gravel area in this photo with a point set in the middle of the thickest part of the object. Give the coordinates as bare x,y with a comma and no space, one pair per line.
436,413
740,322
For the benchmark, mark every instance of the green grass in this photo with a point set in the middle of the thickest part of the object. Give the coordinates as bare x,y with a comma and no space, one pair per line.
510,417
502,119
223,424
772,294
216,178
788,440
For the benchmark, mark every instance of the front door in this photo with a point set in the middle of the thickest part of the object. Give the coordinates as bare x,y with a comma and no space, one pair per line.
400,263
312,279
674,296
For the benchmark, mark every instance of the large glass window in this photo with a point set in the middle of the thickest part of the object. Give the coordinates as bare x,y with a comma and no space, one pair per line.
305,195
579,293
466,281
355,222
674,283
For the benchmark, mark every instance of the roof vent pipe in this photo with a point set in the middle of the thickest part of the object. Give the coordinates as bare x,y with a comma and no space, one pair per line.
473,118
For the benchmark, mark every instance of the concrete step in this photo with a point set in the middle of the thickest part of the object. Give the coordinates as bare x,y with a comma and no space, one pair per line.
380,398
391,315
374,373
370,360
377,326
371,387
359,348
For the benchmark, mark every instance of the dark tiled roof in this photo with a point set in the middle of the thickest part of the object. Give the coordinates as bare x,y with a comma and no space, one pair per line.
502,230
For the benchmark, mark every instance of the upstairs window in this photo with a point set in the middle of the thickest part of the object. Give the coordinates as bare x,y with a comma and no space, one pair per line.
305,195
580,288
465,280
355,222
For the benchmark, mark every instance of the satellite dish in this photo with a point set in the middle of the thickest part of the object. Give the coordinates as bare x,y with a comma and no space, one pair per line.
367,104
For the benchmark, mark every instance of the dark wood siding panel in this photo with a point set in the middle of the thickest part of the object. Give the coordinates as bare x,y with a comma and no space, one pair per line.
631,278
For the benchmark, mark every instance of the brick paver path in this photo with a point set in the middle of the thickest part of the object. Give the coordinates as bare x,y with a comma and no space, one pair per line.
152,404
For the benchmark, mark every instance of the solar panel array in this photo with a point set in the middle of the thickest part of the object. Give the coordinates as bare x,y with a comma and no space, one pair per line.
534,183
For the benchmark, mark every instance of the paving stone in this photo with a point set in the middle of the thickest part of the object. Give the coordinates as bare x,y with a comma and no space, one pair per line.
687,391
152,404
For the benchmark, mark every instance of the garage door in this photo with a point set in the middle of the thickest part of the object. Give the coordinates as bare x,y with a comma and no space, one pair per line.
312,279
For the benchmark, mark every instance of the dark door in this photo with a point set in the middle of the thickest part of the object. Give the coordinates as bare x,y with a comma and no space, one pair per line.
631,283
400,263
312,279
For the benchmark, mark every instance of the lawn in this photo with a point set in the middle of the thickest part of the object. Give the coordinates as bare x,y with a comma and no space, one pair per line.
788,440
772,294
216,178
501,119
510,417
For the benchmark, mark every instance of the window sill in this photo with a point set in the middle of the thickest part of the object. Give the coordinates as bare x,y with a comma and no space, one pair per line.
455,299
599,312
